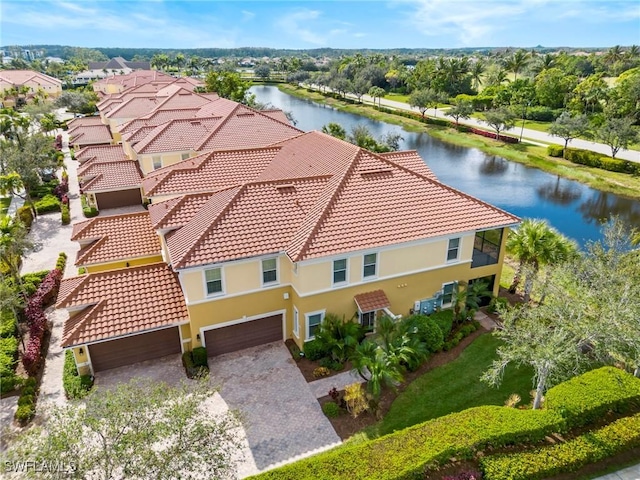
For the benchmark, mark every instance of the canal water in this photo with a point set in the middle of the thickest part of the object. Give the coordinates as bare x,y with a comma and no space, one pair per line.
571,207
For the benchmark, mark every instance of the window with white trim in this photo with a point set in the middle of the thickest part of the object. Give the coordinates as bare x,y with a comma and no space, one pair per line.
213,280
369,268
269,271
184,156
296,322
340,271
453,249
157,162
448,291
368,320
313,321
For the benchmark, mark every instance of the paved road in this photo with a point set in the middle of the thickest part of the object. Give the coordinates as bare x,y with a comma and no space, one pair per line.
529,134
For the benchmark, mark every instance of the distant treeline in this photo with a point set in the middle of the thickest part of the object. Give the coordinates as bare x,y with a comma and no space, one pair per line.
98,53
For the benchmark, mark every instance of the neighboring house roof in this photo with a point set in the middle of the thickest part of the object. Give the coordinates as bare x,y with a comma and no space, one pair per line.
84,121
22,77
209,172
139,106
321,196
276,115
105,176
155,118
115,237
121,302
119,63
177,211
101,153
412,160
137,77
241,128
90,134
371,301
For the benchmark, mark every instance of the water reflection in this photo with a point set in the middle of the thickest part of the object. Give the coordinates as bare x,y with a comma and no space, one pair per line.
573,208
559,192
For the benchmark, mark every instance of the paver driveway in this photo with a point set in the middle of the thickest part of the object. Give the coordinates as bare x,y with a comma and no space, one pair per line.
281,417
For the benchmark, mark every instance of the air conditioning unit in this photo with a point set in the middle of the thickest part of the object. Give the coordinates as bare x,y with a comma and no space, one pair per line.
416,306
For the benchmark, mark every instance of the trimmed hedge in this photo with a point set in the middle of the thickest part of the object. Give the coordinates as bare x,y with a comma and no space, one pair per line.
27,402
444,319
410,453
25,215
65,215
589,397
597,160
407,454
75,386
8,359
48,203
565,457
7,324
555,150
191,369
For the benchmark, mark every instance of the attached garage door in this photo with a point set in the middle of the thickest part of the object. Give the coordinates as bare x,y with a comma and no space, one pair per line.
137,348
243,335
122,198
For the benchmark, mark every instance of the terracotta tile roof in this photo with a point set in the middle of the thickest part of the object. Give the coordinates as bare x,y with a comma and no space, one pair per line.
177,135
136,135
412,160
370,301
254,219
276,115
155,118
241,128
218,107
101,153
139,106
20,77
317,197
84,121
137,77
104,176
115,237
90,134
177,211
208,172
121,302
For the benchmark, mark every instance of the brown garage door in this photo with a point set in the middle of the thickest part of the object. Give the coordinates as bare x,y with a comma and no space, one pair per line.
128,350
122,198
243,335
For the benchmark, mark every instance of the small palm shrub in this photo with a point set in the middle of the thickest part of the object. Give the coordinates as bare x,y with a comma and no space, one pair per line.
339,337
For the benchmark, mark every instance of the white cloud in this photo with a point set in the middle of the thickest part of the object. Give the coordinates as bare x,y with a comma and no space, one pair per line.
247,15
293,23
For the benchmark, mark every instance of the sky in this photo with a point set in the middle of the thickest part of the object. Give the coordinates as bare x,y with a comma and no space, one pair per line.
295,24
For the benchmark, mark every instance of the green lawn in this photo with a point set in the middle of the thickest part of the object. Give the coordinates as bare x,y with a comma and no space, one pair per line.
396,97
452,388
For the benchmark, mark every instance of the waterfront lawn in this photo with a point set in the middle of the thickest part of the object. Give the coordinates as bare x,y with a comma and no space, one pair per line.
453,387
396,97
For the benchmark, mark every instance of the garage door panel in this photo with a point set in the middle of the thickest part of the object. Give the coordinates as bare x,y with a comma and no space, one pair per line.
243,335
122,198
133,349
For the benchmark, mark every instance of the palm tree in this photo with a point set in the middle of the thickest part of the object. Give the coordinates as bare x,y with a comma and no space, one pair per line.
633,52
533,244
477,71
562,249
516,62
376,367
613,55
544,63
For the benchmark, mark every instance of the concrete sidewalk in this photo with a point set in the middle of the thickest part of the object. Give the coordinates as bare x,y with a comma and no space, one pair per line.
629,473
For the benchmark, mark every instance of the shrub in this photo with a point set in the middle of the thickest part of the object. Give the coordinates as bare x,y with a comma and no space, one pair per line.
497,304
426,330
200,357
444,319
542,114
331,410
339,337
49,203
26,399
469,475
65,214
61,263
565,457
597,160
555,150
355,399
321,372
295,351
7,324
25,413
75,386
191,369
410,452
89,212
25,215
589,397
8,359
31,281
315,350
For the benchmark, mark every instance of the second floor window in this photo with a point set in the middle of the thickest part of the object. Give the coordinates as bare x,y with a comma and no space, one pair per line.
213,279
184,156
453,249
269,271
340,270
157,162
370,262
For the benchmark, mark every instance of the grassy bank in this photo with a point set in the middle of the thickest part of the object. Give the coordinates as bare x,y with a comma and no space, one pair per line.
530,155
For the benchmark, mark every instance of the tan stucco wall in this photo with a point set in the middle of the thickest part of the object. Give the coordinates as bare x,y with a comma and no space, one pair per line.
134,262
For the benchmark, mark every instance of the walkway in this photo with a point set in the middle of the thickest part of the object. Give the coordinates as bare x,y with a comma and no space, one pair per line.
629,473
529,134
